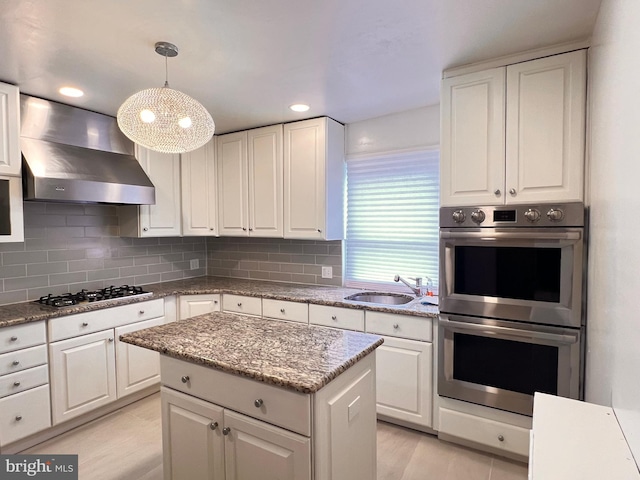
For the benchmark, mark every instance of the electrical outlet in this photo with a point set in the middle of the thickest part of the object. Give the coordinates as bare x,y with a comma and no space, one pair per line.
195,264
327,272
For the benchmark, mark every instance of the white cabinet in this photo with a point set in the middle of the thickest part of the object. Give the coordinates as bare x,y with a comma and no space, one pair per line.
314,179
250,182
24,382
10,156
285,310
164,218
337,317
242,304
199,191
515,134
14,208
194,305
404,367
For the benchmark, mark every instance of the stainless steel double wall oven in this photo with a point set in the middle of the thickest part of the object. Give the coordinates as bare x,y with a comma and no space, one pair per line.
511,294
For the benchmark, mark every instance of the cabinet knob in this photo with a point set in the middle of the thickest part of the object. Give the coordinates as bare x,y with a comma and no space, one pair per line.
16,384
501,438
239,304
258,403
15,363
226,430
319,231
513,192
251,229
497,192
145,229
396,326
213,425
215,302
244,229
14,339
211,229
282,310
111,340
85,324
333,317
141,312
18,418
185,378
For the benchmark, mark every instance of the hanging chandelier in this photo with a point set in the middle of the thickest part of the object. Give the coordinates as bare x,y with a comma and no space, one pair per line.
163,119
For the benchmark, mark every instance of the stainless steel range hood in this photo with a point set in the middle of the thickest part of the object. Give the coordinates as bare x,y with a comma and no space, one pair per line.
74,155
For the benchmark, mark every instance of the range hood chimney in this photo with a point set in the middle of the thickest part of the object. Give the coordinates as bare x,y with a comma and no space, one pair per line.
74,155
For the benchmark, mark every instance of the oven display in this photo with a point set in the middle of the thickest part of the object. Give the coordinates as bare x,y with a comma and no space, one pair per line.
505,364
522,273
504,215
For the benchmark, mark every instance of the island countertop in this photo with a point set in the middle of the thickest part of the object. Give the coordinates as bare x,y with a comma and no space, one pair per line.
291,355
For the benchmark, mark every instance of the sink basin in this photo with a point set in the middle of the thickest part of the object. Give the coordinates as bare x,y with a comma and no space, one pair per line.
381,298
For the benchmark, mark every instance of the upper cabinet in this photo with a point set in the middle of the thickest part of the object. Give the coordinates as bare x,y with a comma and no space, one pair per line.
10,156
515,134
314,174
199,191
250,182
164,218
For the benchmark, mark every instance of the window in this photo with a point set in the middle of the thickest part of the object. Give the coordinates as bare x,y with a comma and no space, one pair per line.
392,219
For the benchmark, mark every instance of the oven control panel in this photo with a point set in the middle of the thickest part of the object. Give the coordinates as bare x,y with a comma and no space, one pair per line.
540,215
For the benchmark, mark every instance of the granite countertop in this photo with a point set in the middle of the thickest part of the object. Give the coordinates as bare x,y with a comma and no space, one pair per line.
18,313
291,355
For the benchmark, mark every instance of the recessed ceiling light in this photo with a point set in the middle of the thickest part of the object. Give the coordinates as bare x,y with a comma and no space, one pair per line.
299,107
71,92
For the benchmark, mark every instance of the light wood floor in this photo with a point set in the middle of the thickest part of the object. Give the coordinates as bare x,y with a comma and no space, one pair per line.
126,445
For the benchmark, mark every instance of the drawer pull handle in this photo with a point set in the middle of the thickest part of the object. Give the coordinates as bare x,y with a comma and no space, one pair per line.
16,384
185,378
226,430
14,339
18,418
501,438
141,312
396,326
239,304
282,310
213,425
15,363
333,317
85,324
258,403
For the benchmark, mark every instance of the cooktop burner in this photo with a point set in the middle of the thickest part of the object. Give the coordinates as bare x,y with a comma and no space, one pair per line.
88,296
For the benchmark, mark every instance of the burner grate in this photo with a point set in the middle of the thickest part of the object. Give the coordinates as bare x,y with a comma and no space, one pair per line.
89,296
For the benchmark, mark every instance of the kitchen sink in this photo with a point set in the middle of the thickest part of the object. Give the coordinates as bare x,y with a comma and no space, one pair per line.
380,298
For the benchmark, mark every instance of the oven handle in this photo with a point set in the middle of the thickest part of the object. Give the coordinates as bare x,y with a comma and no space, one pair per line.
525,235
512,332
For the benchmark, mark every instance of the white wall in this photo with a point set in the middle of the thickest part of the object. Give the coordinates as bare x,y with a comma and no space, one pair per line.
613,313
405,130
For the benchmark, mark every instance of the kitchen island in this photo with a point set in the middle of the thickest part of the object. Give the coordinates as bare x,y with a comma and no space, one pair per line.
246,397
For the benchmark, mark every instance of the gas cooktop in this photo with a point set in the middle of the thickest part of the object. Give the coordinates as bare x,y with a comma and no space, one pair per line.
90,296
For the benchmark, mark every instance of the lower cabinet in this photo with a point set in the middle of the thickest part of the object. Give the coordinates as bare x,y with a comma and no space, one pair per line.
202,440
194,305
242,304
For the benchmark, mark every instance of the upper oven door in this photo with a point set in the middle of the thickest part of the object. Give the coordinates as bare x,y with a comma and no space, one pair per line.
523,274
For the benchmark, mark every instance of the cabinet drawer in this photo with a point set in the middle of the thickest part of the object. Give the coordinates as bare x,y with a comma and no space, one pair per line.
24,414
284,310
405,326
337,317
22,359
484,431
21,381
285,408
22,336
194,305
111,317
242,304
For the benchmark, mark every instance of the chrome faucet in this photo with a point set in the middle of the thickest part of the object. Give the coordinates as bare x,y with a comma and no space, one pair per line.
417,290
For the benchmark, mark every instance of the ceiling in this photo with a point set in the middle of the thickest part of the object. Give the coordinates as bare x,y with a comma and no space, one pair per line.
246,61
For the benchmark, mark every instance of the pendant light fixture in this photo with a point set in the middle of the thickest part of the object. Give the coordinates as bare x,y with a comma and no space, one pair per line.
164,119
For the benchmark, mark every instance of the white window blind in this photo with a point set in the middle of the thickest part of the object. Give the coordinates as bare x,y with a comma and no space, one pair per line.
392,219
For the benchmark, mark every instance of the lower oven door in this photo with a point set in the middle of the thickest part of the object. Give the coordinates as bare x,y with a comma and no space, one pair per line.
501,364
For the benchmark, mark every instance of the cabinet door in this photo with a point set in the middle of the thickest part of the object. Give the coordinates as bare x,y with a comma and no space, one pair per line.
164,218
404,380
192,442
83,374
199,191
254,449
546,101
265,181
193,305
136,368
10,157
233,204
473,125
